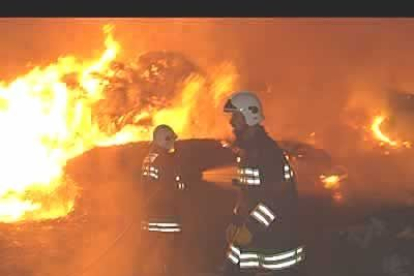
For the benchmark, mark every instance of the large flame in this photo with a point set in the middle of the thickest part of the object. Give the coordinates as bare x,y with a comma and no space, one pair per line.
383,138
46,119
193,111
378,134
44,123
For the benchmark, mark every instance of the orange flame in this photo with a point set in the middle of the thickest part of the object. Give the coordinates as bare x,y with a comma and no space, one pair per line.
382,137
45,122
330,182
333,182
376,129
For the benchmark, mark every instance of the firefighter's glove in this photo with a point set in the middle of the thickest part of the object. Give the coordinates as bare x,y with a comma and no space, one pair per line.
231,232
243,236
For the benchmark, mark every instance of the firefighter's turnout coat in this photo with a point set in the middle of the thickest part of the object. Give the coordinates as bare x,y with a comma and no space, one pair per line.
267,206
162,188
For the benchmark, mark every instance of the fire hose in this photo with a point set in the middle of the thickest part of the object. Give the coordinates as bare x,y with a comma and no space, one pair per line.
114,243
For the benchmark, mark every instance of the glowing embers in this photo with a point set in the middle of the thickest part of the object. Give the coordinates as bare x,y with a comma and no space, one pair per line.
334,180
331,181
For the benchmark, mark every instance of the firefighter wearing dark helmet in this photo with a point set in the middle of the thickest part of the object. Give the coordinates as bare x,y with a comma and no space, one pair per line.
161,180
263,236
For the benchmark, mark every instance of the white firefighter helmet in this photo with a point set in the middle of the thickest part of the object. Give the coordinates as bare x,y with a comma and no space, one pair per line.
248,104
164,137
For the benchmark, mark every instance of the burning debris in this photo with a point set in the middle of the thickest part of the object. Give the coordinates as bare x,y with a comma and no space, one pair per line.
49,121
397,124
376,129
382,122
56,113
331,181
71,107
383,138
337,177
140,88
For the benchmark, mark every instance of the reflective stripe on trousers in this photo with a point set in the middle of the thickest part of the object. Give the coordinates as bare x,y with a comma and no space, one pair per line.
255,260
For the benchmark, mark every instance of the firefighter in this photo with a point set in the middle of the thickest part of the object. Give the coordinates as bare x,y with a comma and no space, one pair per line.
162,223
263,237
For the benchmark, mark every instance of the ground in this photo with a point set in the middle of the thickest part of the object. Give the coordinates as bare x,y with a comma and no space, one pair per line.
101,237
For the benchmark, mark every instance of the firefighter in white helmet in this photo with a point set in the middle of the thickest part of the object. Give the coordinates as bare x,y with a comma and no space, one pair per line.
162,223
263,235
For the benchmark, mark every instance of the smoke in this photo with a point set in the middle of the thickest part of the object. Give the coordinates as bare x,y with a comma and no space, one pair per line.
305,69
312,75
310,67
321,75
